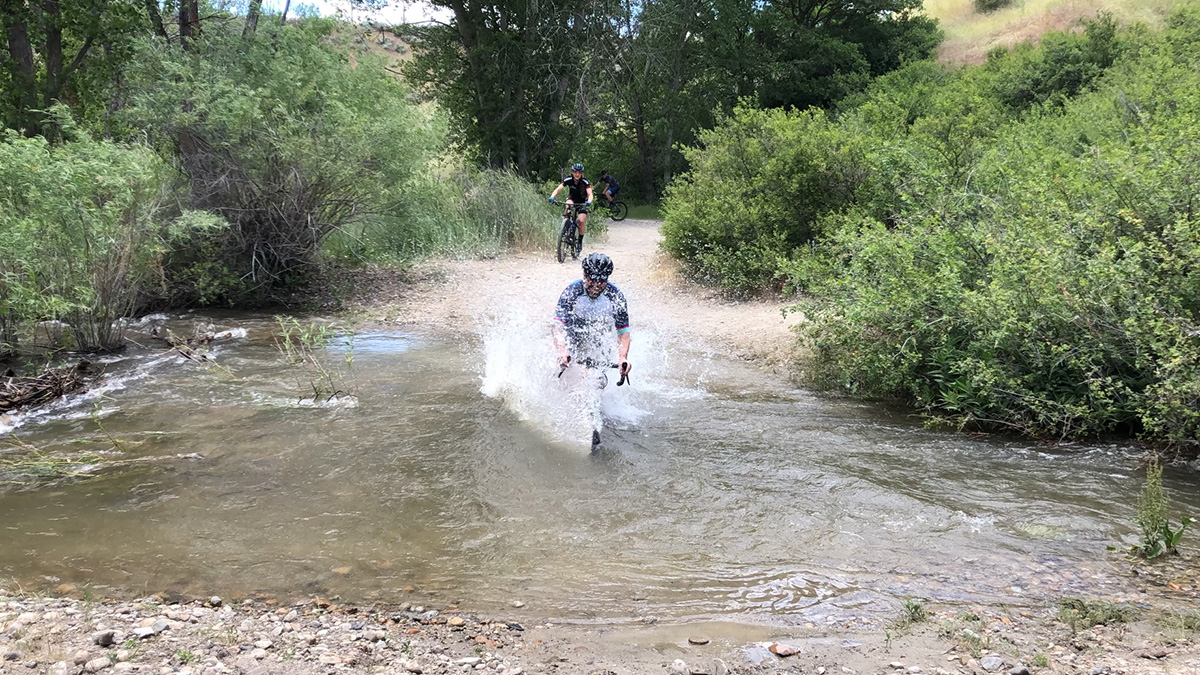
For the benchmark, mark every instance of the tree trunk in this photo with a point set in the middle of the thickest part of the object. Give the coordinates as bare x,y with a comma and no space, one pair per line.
156,19
21,52
283,17
185,24
252,13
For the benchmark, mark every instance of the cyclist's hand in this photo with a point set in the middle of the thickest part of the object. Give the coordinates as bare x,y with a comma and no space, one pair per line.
588,203
625,367
551,199
564,359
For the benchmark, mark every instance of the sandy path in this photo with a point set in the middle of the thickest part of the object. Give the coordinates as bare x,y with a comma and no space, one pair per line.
453,294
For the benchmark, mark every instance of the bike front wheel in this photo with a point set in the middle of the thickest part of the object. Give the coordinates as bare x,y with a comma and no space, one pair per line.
618,211
566,241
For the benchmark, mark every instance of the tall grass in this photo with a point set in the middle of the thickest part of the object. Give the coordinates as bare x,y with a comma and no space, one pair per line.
456,211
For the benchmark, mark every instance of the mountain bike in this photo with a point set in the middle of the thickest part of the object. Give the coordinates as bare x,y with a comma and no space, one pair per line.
617,210
570,230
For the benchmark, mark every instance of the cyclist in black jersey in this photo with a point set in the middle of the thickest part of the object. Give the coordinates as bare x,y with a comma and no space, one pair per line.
611,187
579,192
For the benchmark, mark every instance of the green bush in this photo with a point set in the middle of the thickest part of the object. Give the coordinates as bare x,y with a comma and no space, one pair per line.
84,227
1039,274
759,185
985,6
285,138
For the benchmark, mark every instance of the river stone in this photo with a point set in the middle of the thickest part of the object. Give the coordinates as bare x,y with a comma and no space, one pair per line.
1019,670
60,668
104,638
263,644
991,663
698,640
124,667
215,601
376,635
81,657
469,661
143,633
292,616
97,665
412,666
678,667
518,604
258,654
456,621
781,649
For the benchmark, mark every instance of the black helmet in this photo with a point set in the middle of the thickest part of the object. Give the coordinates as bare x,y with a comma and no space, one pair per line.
597,266
577,167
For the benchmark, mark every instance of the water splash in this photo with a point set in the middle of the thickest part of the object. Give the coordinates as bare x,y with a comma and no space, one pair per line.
521,370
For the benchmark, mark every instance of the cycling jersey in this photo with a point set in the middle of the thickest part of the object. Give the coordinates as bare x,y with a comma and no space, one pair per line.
613,185
578,190
592,325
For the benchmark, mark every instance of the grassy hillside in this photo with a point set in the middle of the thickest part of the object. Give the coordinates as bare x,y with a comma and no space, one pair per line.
969,34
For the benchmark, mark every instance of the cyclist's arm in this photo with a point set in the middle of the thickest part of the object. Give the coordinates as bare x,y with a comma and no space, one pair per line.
622,347
589,188
556,191
560,342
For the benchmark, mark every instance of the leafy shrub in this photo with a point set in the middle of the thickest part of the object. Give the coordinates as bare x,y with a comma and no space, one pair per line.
1084,613
1035,272
1063,65
985,6
758,187
283,137
1158,537
84,228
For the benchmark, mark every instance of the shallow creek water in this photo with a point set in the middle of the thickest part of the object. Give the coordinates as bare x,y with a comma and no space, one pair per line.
458,471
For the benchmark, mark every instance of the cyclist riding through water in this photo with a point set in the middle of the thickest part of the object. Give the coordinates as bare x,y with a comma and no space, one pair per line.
590,316
579,192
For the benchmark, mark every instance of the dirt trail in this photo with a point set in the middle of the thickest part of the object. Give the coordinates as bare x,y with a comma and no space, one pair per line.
453,294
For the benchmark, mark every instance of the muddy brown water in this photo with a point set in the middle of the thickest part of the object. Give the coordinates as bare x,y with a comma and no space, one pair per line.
456,471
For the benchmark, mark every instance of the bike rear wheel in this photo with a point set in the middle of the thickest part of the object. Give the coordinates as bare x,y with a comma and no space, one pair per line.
618,211
566,240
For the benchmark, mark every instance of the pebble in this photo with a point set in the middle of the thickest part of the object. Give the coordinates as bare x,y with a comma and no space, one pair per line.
781,649
81,657
1019,670
104,638
991,663
456,621
259,654
698,640
412,666
292,616
263,644
97,665
60,668
124,667
142,633
469,661
518,604
215,601
678,667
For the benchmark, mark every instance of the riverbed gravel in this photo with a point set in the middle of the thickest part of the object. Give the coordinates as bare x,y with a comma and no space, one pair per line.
71,636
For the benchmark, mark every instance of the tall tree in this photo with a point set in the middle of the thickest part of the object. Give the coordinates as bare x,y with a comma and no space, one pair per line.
50,46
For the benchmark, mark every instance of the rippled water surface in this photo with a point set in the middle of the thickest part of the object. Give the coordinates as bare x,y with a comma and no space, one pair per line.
458,471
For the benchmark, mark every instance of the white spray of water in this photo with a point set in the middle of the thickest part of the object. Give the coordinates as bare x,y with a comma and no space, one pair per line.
521,370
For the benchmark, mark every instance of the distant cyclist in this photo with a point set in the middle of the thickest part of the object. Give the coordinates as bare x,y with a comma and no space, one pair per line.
579,192
590,316
611,186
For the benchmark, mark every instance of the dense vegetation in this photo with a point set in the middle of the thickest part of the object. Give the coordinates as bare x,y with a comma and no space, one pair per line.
621,85
221,165
1013,245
